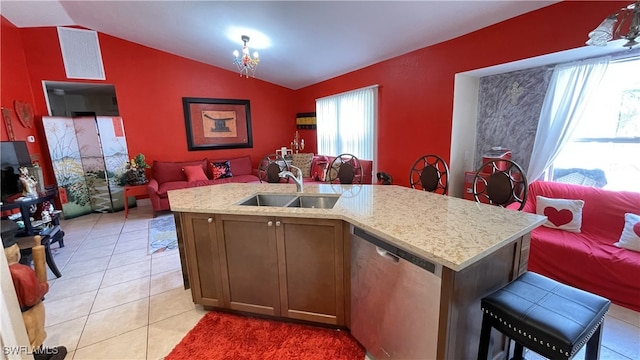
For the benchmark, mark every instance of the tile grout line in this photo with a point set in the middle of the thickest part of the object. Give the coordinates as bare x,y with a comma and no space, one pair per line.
97,291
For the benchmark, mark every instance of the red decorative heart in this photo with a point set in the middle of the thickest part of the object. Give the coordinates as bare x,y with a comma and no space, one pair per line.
636,228
558,218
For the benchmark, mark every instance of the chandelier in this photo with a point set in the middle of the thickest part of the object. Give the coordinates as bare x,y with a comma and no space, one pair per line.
610,28
245,62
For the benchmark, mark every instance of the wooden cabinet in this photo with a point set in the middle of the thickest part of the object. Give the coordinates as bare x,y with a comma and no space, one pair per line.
287,267
311,268
202,253
249,263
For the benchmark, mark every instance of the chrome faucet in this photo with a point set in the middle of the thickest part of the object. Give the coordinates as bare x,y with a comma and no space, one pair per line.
296,179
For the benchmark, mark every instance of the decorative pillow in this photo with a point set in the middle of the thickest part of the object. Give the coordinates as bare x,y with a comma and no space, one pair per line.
332,171
563,214
303,162
194,173
221,170
630,237
320,164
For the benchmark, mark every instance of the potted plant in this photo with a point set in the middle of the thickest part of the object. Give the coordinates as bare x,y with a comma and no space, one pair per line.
136,170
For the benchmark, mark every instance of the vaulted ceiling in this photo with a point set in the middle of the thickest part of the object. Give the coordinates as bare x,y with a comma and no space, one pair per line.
300,42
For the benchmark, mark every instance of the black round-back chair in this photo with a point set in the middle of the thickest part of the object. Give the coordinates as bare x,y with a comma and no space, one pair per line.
430,173
503,184
270,167
345,169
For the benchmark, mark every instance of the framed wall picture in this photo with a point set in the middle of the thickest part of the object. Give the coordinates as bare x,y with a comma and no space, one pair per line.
306,120
217,123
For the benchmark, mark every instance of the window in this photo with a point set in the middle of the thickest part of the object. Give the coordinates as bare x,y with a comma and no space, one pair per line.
604,149
346,123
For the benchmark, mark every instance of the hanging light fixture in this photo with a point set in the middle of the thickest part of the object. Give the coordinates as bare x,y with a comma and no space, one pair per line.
610,28
244,61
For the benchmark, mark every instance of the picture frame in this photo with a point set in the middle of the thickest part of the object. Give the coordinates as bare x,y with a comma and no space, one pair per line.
306,120
217,123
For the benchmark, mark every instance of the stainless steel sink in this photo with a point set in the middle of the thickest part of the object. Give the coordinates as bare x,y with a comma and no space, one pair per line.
291,200
317,202
280,200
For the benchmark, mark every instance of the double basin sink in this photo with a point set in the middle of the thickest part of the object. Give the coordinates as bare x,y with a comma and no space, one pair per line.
292,200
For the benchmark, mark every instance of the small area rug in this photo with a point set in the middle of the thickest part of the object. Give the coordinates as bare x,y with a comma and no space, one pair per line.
162,234
222,336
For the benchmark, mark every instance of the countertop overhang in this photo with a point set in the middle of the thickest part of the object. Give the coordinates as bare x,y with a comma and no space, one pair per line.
449,231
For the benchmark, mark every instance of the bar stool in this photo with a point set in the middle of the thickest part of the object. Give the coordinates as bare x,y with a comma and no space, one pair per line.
545,316
503,184
430,173
346,169
269,168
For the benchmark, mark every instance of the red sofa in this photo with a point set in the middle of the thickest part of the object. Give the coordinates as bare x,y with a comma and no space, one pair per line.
314,166
588,260
319,164
169,176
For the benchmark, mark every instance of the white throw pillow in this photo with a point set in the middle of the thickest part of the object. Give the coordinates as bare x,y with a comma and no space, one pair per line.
562,214
630,237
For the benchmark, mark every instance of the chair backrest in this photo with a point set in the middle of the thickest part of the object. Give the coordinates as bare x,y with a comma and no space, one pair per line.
504,185
430,173
269,168
345,169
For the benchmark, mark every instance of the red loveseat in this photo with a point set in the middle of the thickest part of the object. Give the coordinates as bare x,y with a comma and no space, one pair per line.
588,260
169,176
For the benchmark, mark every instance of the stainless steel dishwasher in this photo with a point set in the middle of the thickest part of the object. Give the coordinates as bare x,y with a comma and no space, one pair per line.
395,300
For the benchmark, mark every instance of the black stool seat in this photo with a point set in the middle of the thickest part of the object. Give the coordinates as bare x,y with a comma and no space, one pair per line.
545,316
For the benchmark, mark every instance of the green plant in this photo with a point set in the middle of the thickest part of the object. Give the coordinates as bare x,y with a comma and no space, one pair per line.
138,162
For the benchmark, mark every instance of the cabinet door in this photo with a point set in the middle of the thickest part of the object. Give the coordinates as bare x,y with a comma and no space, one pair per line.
250,267
311,263
203,258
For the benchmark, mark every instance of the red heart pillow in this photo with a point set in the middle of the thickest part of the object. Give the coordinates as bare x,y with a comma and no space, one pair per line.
562,214
558,218
630,237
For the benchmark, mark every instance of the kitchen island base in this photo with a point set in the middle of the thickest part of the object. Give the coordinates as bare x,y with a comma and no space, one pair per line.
265,266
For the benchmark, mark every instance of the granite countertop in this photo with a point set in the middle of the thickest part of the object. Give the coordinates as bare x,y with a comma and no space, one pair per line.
449,231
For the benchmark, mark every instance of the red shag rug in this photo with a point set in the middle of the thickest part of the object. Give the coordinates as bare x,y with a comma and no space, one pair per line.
222,336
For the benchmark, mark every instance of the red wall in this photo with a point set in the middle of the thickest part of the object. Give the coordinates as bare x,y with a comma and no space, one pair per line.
416,89
14,83
149,86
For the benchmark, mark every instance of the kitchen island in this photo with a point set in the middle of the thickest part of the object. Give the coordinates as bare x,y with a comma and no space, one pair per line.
295,263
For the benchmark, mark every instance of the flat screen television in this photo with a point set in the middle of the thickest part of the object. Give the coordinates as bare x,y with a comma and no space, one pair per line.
14,154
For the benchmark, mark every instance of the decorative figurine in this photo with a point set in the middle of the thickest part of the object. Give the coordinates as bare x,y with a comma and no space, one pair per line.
28,183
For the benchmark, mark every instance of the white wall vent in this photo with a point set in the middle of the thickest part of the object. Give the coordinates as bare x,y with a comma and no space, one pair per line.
81,54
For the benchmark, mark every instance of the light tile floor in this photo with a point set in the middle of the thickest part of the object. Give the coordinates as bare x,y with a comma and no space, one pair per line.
114,301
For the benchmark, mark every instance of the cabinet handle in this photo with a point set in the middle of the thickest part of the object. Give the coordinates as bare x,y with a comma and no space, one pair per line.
210,220
269,223
278,223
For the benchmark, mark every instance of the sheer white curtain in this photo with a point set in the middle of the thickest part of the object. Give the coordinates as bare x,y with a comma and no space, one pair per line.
569,90
346,123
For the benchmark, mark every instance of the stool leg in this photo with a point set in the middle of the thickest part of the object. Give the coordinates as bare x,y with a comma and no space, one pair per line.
485,338
593,345
517,351
50,262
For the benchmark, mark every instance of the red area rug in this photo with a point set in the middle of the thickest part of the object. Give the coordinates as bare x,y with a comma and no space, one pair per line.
219,336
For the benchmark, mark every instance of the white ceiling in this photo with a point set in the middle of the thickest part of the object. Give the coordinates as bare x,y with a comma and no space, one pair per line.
300,42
